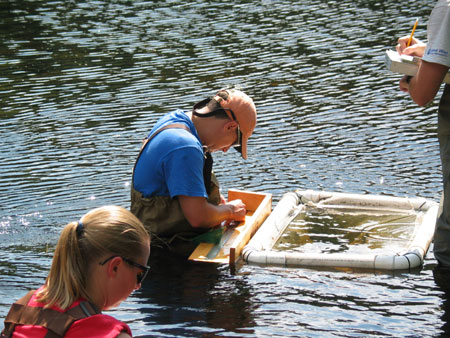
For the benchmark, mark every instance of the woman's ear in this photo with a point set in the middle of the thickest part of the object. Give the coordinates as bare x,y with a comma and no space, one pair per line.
113,266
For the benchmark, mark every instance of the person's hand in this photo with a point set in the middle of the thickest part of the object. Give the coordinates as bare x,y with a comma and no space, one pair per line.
223,200
417,48
404,83
238,210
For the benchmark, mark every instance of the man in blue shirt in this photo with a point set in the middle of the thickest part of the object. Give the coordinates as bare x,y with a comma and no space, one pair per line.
174,192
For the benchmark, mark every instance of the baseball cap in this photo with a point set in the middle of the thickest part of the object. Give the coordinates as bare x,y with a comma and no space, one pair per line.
244,111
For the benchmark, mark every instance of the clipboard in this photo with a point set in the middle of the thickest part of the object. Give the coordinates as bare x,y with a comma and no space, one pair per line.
405,64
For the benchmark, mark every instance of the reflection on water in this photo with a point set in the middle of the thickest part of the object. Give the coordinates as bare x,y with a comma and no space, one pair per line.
319,230
83,81
195,300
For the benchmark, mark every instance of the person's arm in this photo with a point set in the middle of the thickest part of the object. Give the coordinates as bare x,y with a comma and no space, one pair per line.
202,214
424,86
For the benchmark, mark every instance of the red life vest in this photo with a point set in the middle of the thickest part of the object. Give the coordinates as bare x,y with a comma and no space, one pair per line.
57,323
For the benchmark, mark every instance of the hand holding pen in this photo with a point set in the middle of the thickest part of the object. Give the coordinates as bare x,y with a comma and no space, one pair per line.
409,45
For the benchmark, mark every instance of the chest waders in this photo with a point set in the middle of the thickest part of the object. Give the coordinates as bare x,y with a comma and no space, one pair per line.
442,234
163,217
57,323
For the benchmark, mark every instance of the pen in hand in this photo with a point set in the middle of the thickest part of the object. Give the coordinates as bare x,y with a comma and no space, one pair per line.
412,33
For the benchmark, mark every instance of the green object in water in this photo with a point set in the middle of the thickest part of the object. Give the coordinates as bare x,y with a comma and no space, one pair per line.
212,236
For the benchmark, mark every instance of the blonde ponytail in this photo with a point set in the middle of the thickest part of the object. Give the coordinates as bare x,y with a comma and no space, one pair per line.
105,230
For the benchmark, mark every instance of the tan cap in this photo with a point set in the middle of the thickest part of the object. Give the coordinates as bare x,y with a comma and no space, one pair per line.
243,109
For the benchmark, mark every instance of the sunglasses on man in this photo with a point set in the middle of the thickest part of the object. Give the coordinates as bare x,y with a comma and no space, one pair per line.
238,144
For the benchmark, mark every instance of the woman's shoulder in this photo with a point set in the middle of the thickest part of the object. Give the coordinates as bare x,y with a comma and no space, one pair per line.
99,325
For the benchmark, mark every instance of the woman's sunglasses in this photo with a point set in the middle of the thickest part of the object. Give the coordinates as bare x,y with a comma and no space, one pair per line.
141,275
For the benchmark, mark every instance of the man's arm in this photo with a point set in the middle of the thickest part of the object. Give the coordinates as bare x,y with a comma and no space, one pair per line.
424,86
202,214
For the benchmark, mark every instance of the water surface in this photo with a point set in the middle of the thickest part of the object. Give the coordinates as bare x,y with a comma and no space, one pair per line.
82,82
327,230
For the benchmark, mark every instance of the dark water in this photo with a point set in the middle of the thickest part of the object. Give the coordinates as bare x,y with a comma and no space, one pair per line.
81,82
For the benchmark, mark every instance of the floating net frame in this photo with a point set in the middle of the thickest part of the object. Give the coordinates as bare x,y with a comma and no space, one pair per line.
259,250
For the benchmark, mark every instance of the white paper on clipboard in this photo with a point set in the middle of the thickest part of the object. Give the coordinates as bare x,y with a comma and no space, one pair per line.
405,64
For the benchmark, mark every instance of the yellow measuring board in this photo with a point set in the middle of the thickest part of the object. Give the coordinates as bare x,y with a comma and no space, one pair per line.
233,240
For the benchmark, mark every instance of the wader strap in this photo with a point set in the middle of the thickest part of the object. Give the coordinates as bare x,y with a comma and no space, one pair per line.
172,125
207,171
207,168
148,139
57,323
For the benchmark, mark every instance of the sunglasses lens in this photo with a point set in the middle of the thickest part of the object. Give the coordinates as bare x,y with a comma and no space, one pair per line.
141,276
238,148
239,138
144,270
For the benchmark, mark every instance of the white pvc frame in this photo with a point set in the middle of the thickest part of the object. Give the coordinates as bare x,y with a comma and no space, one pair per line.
259,250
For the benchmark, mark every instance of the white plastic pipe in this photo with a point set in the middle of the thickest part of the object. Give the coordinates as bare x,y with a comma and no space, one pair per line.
259,249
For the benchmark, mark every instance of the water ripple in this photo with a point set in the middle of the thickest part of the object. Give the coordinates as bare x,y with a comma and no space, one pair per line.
83,82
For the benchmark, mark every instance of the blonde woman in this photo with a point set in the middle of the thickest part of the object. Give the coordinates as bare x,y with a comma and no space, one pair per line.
98,262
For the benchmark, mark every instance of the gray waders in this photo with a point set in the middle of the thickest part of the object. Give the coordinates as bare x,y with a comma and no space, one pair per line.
442,233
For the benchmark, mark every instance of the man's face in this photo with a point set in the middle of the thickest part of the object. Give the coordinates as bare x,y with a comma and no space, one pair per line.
227,138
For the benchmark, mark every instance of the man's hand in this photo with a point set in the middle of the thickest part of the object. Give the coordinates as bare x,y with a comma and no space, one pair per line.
201,214
417,47
238,210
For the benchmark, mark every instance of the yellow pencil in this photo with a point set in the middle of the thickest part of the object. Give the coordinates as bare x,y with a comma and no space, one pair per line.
412,33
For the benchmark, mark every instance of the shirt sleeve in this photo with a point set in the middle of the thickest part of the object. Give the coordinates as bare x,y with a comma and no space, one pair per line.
438,45
97,326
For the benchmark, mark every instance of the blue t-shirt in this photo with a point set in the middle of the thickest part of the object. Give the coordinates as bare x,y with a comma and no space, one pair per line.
171,163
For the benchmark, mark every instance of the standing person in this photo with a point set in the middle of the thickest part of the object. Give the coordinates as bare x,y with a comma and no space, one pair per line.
174,192
98,262
422,88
